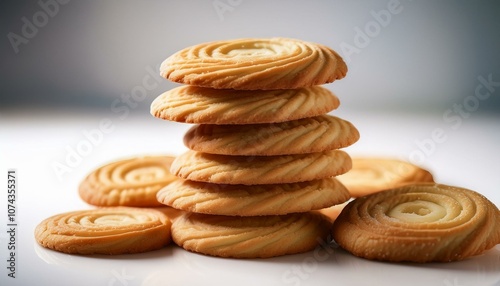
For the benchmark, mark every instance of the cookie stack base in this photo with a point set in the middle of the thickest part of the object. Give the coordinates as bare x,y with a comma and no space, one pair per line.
250,237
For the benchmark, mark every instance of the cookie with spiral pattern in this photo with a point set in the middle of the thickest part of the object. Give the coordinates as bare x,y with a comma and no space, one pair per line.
424,222
255,200
307,135
374,174
191,104
258,170
130,182
110,231
252,63
250,237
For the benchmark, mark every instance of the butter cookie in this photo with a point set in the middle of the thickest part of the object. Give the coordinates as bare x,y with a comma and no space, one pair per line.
250,64
369,175
307,135
424,222
114,230
129,182
254,200
191,104
250,237
258,170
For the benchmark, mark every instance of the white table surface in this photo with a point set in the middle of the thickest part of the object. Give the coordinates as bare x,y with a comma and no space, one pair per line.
467,155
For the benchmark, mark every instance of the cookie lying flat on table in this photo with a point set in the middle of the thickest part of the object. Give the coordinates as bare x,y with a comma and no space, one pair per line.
131,182
419,223
307,135
255,170
255,200
191,104
250,237
250,64
117,230
371,175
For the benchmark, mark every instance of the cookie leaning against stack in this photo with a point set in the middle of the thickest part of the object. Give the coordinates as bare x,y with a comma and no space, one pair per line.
264,154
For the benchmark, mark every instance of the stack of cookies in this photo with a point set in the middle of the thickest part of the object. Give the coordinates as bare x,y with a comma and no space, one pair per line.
264,156
263,153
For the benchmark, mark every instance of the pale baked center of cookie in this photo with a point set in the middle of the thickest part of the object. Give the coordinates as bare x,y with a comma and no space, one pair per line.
250,50
145,174
247,52
115,220
111,220
418,211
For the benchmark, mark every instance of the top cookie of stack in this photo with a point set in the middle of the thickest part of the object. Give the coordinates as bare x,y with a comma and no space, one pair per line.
255,64
264,144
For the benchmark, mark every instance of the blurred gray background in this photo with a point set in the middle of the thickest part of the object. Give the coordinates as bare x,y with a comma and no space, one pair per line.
402,55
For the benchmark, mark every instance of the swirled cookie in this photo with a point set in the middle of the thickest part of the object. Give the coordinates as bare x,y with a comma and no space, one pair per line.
419,223
114,230
191,104
250,64
131,182
256,170
255,200
250,237
307,135
370,175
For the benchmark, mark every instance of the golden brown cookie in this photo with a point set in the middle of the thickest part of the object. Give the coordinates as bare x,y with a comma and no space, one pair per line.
255,200
420,223
307,135
130,182
250,237
191,104
370,175
250,64
116,230
257,170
